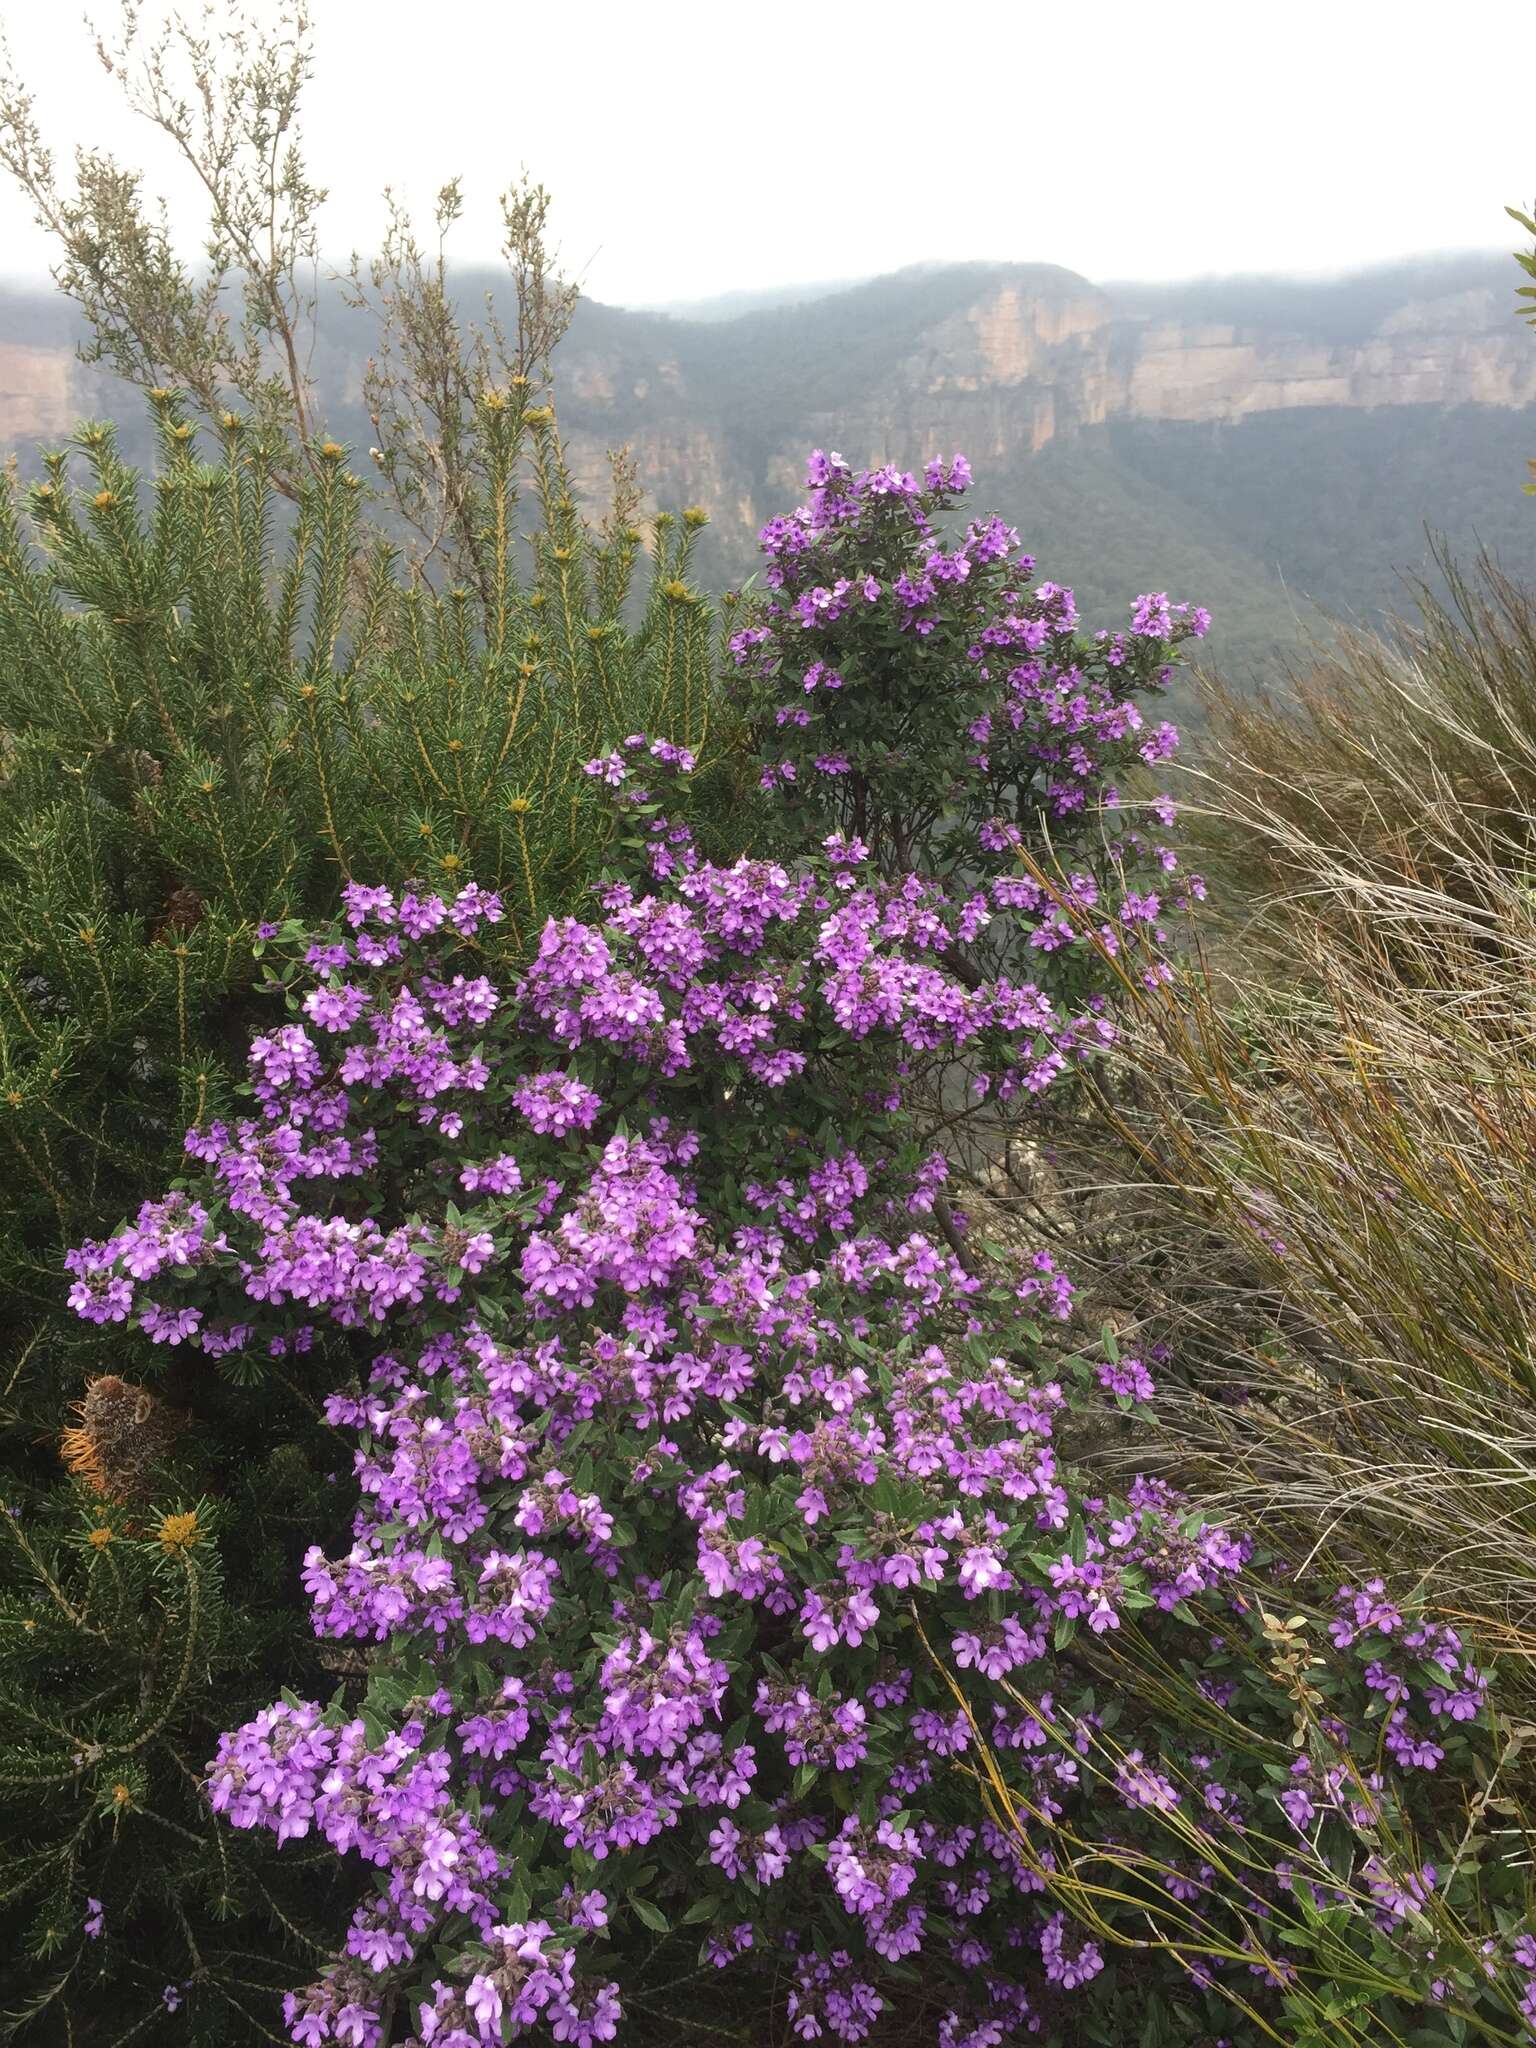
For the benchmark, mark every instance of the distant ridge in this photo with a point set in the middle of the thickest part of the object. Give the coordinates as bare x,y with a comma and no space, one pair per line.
731,305
737,305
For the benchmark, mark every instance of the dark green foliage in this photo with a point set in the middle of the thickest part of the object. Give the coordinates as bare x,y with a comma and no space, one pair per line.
207,724
128,1634
215,705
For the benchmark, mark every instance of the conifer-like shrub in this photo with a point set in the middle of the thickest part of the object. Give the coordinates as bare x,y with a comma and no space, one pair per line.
212,717
216,705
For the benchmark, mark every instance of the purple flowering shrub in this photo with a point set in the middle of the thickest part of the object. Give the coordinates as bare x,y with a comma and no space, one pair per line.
732,1591
912,688
713,1510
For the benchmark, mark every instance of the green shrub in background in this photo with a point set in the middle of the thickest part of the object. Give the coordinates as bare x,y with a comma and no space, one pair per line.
215,705
206,725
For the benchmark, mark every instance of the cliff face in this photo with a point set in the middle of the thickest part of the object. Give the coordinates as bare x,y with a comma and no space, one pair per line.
1094,362
38,391
1018,362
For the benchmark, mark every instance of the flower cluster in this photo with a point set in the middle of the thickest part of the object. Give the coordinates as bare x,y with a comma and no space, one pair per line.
680,1510
918,689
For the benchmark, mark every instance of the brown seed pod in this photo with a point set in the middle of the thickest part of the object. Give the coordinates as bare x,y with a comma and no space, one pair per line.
123,1432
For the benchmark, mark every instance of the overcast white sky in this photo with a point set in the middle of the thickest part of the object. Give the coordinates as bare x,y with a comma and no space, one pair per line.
698,146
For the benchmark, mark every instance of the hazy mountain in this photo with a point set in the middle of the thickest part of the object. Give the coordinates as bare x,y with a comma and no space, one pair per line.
1273,448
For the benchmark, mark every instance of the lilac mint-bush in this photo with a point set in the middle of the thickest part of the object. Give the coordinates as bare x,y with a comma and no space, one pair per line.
676,1412
716,1530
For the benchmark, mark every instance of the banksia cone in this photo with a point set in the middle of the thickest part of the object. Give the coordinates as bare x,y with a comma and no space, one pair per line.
123,1431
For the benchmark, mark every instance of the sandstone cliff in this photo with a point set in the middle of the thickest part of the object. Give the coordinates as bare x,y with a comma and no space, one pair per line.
1028,357
39,392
